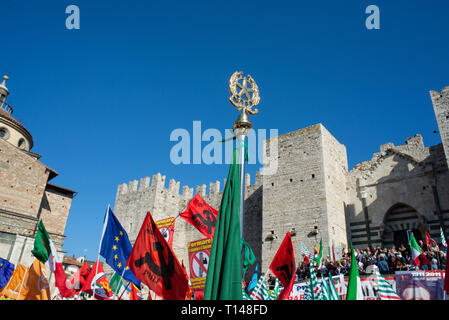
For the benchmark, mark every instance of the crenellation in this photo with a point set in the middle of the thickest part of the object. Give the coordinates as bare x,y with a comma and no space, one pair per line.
214,188
174,186
144,183
133,185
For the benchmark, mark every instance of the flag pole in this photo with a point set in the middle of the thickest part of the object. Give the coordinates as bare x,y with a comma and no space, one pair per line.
99,247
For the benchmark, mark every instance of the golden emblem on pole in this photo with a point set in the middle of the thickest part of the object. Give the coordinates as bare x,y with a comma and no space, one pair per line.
244,96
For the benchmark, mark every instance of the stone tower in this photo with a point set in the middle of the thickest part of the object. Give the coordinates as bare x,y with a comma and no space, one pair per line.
440,103
306,196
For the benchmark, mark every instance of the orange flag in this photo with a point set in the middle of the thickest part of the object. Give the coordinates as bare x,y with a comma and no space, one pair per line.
37,282
16,285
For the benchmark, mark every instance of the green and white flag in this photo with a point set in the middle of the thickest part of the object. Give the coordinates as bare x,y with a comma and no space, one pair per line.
245,295
260,292
307,293
354,291
416,250
443,240
325,289
385,290
314,285
275,292
333,290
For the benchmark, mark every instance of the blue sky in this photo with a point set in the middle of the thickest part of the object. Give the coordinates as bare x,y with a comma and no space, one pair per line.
102,101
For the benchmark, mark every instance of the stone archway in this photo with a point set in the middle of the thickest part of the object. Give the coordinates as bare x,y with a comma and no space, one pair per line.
398,219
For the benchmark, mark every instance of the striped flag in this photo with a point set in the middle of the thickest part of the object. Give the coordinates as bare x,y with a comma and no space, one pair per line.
260,292
333,290
305,251
245,295
314,285
385,290
416,250
325,289
275,292
443,239
307,293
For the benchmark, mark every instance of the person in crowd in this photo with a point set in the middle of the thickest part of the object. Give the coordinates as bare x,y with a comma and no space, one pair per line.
383,265
424,261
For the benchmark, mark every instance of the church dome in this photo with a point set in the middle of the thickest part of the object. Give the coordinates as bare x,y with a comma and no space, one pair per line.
12,130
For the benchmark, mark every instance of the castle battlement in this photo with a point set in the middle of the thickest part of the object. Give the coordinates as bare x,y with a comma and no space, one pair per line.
158,184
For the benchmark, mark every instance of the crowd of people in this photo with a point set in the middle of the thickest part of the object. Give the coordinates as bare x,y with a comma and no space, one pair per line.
387,260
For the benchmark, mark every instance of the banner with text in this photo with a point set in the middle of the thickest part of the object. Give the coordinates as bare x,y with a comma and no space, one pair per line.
199,253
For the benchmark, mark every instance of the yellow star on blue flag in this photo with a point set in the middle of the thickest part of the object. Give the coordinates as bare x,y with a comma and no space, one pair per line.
116,247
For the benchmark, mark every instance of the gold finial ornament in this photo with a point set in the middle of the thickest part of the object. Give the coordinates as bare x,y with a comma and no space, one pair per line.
244,96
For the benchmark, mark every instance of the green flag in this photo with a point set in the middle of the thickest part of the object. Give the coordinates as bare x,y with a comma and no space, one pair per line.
320,255
224,274
116,282
354,285
415,248
42,248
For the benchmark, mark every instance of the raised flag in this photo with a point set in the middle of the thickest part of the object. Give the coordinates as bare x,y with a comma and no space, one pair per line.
77,281
224,276
333,290
443,239
134,293
45,251
315,287
276,290
6,271
97,281
416,250
15,289
154,263
283,266
386,292
429,240
116,247
324,286
319,258
305,251
253,282
37,282
260,292
201,215
354,291
167,229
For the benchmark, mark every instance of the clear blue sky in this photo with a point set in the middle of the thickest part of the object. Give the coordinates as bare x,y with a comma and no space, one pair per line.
102,101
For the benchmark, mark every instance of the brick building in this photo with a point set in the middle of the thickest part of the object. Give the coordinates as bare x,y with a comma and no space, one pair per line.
27,193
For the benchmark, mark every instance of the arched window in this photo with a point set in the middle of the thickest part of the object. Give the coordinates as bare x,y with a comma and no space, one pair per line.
4,133
22,143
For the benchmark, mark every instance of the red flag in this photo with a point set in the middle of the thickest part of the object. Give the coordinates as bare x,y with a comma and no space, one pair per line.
61,280
79,278
154,263
133,293
97,279
283,266
428,240
201,215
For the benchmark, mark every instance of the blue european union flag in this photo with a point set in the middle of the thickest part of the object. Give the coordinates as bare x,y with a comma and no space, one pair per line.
116,247
6,270
253,282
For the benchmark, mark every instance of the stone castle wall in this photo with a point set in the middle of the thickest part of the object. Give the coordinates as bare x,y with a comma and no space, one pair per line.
134,200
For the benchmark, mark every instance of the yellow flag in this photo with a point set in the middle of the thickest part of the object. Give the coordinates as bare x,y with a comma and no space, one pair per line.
37,283
16,285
